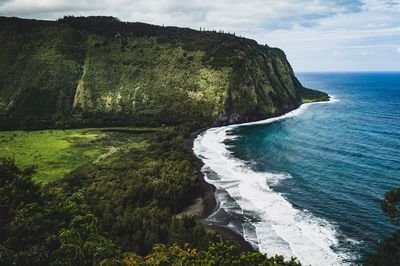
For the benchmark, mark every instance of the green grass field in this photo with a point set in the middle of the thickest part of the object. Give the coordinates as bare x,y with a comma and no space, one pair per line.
57,152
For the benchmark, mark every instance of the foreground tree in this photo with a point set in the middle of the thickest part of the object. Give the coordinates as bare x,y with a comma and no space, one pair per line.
391,205
37,228
388,252
217,254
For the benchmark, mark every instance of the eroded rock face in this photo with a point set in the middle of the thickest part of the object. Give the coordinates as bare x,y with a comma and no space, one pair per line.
227,119
98,71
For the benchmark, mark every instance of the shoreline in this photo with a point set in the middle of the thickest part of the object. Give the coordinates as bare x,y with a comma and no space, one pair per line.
206,205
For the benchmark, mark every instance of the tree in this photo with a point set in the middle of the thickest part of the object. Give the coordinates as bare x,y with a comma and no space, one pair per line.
39,228
217,254
391,205
388,252
80,243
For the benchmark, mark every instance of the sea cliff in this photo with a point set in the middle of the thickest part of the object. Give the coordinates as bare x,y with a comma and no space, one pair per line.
99,71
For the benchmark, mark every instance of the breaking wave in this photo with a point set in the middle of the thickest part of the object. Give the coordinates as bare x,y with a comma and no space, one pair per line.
265,218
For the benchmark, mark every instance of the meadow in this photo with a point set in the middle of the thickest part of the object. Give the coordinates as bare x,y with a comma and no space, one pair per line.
54,153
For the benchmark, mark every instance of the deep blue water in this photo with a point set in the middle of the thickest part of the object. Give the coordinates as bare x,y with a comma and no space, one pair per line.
342,156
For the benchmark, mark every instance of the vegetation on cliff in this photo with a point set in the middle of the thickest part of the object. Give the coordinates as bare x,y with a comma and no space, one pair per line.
99,71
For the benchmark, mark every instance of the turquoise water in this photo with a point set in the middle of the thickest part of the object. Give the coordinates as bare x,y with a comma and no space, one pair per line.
341,157
308,184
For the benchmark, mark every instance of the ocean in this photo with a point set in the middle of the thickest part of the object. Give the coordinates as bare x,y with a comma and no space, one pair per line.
308,184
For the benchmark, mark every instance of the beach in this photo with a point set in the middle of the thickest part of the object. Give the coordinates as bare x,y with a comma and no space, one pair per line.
206,205
248,204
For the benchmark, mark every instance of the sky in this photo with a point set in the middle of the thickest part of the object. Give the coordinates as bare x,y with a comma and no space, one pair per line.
316,35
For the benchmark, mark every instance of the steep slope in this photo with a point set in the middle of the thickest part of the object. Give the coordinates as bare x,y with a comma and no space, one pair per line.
98,71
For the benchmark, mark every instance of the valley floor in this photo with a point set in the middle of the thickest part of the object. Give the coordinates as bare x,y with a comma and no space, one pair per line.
56,155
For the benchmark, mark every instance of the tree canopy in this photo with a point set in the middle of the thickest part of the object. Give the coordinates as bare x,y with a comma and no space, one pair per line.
388,251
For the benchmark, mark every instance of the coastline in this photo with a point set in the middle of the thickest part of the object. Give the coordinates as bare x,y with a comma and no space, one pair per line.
206,205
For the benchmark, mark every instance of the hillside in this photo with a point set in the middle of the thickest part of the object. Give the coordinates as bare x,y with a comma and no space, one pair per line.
98,71
118,193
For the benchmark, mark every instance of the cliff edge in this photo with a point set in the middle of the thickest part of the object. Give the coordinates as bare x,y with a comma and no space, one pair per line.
99,71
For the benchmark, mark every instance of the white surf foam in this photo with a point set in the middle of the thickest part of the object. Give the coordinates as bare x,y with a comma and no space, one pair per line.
280,228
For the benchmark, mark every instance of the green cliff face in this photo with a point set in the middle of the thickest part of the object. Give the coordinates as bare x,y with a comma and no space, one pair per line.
98,71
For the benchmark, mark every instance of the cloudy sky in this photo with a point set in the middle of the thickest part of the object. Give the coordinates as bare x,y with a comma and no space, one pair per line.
317,35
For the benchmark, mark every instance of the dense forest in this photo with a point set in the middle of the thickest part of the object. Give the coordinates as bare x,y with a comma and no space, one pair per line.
121,212
52,226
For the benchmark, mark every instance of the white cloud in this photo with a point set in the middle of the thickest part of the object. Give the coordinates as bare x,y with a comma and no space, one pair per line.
367,52
335,53
303,28
398,49
225,14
